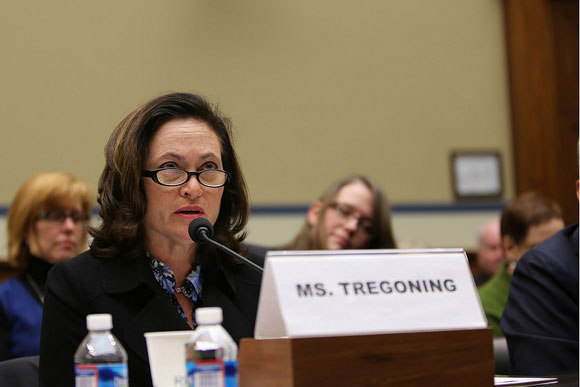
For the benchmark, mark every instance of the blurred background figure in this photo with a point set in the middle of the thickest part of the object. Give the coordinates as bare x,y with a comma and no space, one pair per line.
489,252
525,222
353,213
47,223
540,320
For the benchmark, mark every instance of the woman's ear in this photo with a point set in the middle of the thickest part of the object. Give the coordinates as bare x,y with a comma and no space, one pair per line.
314,213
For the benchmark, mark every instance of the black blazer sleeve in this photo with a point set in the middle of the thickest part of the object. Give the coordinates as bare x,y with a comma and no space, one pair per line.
63,326
540,320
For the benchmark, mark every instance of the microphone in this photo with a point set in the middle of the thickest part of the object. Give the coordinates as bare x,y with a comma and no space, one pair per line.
201,230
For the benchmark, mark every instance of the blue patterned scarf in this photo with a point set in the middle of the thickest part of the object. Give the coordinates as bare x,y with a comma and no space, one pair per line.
190,289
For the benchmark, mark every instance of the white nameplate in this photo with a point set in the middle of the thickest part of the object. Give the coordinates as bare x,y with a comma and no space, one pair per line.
350,292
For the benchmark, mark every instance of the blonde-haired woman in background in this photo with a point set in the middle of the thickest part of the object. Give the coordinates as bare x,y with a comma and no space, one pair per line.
353,213
47,223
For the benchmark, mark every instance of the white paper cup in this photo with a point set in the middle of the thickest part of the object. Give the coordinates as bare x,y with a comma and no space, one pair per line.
166,352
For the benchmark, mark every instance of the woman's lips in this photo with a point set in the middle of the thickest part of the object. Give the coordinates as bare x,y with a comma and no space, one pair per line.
68,244
190,212
342,242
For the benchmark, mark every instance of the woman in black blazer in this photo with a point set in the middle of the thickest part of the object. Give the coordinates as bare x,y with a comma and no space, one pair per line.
168,162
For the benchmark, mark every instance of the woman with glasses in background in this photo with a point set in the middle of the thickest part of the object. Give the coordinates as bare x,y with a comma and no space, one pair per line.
167,163
353,213
47,223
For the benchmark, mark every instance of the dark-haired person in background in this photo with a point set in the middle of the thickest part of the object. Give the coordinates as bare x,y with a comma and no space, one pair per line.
540,321
47,223
525,222
168,162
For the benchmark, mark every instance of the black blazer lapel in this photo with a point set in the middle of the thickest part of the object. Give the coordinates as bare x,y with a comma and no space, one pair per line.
159,314
124,277
219,290
233,321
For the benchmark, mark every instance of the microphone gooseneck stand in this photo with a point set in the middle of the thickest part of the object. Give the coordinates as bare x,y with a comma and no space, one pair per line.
201,230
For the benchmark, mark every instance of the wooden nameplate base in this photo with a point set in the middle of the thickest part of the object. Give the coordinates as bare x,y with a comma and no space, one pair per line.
436,358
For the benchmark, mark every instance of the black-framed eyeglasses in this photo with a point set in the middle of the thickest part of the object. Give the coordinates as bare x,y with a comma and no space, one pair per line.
171,177
347,213
58,216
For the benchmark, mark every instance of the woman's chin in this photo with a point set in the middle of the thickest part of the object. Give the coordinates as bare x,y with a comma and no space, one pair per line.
335,245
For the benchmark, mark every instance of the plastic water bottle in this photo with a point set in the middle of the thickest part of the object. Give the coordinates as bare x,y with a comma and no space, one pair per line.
100,360
212,354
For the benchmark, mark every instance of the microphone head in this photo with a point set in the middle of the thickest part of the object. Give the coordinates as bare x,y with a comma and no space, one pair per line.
200,229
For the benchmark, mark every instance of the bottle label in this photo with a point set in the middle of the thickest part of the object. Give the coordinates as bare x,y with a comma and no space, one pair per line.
101,375
231,373
206,373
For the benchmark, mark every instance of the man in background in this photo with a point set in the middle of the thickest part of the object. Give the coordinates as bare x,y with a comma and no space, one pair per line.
540,320
525,222
489,252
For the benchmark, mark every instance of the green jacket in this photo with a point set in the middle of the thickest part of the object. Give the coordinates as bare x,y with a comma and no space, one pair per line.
494,294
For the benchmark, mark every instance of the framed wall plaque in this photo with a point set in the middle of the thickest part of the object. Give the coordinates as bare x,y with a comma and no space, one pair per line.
477,174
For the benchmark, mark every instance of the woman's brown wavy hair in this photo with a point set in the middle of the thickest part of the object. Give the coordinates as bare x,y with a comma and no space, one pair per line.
121,195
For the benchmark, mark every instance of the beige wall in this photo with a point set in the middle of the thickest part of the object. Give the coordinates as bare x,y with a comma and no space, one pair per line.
316,88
